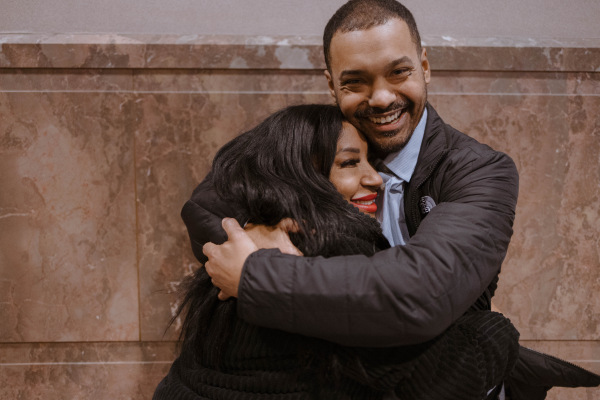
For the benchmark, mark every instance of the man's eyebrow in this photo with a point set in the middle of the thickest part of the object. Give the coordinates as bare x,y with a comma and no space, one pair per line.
348,149
350,72
401,60
391,64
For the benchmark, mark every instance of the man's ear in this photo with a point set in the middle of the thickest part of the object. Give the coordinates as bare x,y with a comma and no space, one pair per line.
330,84
425,65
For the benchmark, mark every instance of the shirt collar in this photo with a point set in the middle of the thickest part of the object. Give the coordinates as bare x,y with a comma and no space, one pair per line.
403,162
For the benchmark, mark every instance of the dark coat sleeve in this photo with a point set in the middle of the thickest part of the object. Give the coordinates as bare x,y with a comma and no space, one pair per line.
471,357
202,215
535,373
403,295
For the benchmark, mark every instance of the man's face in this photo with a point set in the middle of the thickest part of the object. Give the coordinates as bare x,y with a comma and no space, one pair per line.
380,82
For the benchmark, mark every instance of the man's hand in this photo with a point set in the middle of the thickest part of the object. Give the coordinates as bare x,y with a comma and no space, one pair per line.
225,261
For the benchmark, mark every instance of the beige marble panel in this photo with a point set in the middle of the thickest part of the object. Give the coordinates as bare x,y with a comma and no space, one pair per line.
177,139
88,51
511,58
510,83
83,370
231,81
550,279
497,82
67,218
584,83
69,80
280,55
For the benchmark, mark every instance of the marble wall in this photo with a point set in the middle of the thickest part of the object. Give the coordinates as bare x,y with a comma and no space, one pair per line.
103,138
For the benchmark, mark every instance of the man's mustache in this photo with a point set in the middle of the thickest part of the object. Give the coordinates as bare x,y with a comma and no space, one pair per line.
367,111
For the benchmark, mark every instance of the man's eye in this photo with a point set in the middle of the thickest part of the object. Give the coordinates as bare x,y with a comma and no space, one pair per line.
349,82
403,72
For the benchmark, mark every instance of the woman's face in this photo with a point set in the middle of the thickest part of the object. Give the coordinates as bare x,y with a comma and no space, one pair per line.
352,174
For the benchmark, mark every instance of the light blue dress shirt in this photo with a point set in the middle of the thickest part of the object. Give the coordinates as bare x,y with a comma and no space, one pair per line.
390,205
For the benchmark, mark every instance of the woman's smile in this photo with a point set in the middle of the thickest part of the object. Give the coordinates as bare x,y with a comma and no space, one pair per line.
365,203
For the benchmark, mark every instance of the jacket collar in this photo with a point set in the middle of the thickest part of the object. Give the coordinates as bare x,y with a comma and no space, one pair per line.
433,149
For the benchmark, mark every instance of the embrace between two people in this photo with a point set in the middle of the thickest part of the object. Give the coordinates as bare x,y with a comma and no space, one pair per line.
417,298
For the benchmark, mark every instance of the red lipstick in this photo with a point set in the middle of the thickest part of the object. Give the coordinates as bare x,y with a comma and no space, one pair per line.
368,197
365,203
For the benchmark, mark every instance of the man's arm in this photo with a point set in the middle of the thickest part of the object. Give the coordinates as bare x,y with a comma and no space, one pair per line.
399,296
403,295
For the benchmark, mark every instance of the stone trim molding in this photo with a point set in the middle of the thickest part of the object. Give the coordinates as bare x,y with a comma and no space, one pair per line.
111,51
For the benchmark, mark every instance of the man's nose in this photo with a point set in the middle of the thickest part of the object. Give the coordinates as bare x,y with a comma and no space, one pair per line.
382,95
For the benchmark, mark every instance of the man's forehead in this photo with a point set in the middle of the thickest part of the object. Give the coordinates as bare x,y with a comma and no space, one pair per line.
390,42
399,26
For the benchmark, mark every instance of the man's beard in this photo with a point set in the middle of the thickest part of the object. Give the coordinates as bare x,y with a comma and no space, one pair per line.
382,149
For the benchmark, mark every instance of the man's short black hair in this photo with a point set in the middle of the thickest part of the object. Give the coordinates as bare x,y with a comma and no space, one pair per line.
358,15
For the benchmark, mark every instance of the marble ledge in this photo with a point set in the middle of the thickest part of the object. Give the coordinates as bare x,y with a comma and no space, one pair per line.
113,51
100,371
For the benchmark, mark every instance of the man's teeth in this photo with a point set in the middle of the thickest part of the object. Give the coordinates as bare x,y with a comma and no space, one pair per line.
385,120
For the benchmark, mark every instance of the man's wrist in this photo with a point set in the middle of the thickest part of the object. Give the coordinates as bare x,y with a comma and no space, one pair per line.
245,291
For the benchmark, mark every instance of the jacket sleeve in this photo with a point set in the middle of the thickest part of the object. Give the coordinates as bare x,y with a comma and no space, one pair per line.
202,215
471,357
403,295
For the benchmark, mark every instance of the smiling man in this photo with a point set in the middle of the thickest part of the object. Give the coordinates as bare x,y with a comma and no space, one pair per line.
448,207
379,78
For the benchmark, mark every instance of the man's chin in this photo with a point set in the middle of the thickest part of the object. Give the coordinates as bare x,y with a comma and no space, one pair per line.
387,143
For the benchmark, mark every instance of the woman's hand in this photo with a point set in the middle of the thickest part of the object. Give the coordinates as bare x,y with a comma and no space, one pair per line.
274,237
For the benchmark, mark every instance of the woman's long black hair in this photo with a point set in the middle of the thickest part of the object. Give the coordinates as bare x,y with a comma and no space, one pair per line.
279,169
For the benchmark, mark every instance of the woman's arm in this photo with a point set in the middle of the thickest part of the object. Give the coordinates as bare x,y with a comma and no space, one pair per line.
474,355
203,214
